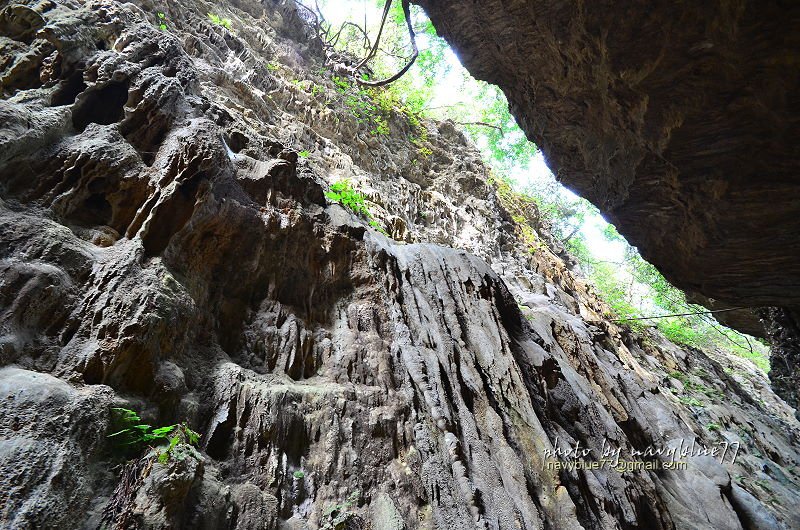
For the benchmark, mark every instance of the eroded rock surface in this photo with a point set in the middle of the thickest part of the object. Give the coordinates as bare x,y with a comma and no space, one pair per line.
164,248
673,119
678,121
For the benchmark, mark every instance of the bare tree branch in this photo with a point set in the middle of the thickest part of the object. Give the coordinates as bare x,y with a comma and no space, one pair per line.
481,123
678,314
412,35
386,6
335,39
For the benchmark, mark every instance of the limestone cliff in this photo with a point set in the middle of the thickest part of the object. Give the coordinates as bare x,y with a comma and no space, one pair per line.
678,120
166,249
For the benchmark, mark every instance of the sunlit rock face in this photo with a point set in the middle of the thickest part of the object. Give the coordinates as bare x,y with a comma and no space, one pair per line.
164,248
678,120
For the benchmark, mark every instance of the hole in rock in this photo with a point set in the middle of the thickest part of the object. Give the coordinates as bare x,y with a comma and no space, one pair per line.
466,393
93,371
96,210
104,106
550,372
222,439
293,438
68,90
645,514
635,433
236,141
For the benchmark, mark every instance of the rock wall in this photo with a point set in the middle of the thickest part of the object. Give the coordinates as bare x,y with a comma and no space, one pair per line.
672,119
166,249
678,121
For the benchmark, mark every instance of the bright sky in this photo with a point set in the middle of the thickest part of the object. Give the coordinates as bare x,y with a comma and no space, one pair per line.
449,90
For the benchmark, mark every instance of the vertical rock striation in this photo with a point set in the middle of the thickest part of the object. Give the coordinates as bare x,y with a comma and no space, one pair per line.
165,249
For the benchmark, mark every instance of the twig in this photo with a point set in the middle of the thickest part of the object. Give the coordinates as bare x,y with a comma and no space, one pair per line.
335,39
574,231
679,314
481,123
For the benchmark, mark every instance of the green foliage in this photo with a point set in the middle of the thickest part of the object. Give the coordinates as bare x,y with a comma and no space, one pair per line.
414,93
299,475
163,456
425,151
219,21
713,427
304,153
343,193
381,126
615,293
414,89
691,401
341,84
338,516
504,145
520,205
377,226
365,107
678,330
162,21
689,385
636,289
272,67
131,435
420,138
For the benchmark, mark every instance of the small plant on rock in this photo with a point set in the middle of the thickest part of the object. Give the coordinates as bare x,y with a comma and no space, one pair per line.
304,153
162,21
343,193
219,21
691,401
133,435
342,85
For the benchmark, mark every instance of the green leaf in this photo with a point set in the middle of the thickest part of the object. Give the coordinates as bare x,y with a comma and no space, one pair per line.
193,436
123,431
163,431
125,414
